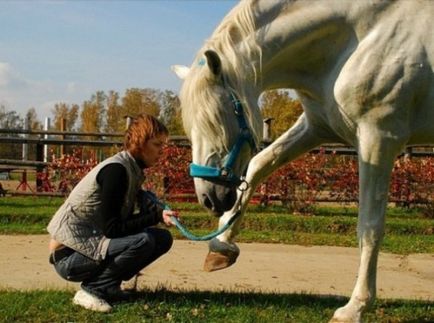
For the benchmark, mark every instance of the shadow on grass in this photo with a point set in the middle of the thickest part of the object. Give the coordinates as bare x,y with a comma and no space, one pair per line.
299,307
164,305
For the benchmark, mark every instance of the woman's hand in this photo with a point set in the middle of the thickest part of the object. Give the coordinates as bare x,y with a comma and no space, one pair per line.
167,214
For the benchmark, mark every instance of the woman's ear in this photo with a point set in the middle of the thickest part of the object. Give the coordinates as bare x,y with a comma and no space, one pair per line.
213,61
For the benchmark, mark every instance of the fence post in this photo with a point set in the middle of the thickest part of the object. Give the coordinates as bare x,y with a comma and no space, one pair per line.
408,152
62,128
46,136
266,134
39,169
25,154
266,140
128,119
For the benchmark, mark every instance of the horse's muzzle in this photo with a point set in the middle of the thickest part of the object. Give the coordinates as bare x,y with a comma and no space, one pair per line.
219,200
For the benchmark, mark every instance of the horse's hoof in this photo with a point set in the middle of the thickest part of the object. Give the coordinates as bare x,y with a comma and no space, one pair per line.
347,314
216,261
221,255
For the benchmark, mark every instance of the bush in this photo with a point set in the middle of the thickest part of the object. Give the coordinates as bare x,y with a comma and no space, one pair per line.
300,185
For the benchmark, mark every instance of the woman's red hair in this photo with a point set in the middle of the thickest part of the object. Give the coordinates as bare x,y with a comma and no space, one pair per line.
142,128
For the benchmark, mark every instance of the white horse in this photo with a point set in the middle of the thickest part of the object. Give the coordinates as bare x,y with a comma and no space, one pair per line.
363,71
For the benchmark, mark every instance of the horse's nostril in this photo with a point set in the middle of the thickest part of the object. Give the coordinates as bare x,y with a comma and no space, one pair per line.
207,202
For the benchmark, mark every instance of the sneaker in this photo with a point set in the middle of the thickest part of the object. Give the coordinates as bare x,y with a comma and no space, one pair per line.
91,302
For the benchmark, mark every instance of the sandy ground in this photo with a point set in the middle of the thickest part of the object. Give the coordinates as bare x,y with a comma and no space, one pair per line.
260,267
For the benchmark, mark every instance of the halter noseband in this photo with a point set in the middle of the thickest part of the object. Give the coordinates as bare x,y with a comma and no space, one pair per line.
225,174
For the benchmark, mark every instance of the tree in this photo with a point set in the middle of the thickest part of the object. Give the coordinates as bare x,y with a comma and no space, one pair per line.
170,113
69,113
32,117
151,104
92,118
137,101
33,124
92,113
10,120
279,105
115,115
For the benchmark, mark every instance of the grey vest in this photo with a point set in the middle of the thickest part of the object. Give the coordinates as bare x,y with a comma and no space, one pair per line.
75,223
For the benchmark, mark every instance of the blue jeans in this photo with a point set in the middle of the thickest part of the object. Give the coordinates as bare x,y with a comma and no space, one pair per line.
126,256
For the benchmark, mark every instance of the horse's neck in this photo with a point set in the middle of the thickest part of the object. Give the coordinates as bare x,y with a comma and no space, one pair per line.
303,43
330,30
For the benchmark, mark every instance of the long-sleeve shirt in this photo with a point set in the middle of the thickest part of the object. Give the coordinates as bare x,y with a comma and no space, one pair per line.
113,181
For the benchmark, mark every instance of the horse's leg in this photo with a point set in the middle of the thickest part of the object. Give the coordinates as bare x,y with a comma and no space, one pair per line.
296,141
376,158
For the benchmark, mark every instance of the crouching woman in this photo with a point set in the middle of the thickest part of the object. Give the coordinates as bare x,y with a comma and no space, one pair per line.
97,237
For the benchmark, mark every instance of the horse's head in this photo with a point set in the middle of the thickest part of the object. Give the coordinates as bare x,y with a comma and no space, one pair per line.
215,120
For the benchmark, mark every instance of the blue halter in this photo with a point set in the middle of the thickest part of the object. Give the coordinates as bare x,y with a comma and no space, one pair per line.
225,174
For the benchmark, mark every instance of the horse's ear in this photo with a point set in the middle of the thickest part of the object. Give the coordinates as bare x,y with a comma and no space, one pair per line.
181,71
214,62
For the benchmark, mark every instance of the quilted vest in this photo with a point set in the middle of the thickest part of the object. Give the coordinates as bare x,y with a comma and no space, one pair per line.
75,222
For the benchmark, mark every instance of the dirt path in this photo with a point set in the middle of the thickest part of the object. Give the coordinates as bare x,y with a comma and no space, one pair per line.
260,267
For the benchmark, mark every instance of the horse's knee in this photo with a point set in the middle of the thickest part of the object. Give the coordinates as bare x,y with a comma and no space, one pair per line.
370,236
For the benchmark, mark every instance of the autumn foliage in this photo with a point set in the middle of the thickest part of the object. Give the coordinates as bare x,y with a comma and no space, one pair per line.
300,185
67,170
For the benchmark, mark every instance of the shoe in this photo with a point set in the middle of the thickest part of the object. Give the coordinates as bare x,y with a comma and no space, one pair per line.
91,302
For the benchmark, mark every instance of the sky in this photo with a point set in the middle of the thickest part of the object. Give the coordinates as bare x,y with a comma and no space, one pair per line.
65,51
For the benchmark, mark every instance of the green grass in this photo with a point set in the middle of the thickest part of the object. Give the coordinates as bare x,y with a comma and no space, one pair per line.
407,231
163,306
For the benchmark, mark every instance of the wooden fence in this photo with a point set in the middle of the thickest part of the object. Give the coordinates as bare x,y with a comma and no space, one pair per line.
42,139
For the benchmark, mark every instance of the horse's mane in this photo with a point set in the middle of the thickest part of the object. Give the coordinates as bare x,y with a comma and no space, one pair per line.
240,55
233,36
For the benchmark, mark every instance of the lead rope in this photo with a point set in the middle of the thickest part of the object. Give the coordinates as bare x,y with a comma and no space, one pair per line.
189,235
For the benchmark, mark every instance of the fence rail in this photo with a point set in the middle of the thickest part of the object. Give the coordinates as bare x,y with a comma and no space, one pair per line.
60,133
414,150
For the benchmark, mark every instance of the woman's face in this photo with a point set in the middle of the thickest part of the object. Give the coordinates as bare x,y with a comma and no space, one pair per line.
152,150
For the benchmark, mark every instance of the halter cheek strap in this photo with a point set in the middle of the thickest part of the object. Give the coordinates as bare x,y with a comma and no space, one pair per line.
225,174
